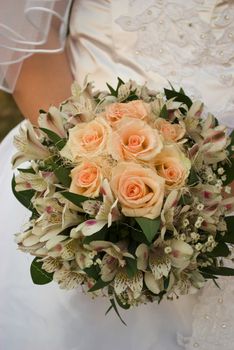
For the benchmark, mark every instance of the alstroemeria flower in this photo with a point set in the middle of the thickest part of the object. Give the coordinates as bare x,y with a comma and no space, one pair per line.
154,257
81,105
128,287
107,213
181,254
54,219
83,256
113,259
160,263
168,212
213,147
40,181
53,120
28,145
68,278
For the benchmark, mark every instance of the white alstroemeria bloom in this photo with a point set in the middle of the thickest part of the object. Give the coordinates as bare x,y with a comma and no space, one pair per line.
46,230
28,145
168,212
131,287
195,110
113,260
74,249
40,181
53,120
159,263
213,147
181,254
107,213
154,257
50,264
69,278
81,102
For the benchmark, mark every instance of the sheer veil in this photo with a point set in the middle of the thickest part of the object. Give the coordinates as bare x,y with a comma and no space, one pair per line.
24,29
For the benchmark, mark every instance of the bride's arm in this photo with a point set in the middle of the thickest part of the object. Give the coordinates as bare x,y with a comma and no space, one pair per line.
45,79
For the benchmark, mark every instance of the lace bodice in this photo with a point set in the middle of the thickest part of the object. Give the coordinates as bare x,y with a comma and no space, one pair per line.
185,39
213,319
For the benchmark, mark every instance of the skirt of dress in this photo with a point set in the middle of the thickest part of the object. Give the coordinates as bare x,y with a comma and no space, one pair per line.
46,317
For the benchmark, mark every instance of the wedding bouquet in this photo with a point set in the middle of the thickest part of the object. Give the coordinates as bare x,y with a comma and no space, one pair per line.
128,193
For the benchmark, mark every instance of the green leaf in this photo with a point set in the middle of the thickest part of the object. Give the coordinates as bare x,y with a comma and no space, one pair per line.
120,82
229,171
41,111
164,113
58,141
131,267
182,91
26,171
185,200
149,227
99,285
131,97
220,250
218,271
123,306
98,236
63,175
93,272
74,198
24,197
166,281
108,310
39,276
112,301
231,152
112,91
178,96
229,236
193,178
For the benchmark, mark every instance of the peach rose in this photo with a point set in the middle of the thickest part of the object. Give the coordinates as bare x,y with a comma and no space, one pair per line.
134,109
169,131
89,139
140,190
135,140
86,179
173,166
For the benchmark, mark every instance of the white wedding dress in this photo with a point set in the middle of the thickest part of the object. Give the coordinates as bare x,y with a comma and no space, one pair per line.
191,44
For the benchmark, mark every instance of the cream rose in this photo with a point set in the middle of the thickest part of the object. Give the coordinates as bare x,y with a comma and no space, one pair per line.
89,140
86,179
135,140
169,131
117,111
173,166
140,190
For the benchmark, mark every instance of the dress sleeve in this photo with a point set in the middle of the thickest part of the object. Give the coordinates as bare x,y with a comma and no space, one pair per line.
25,26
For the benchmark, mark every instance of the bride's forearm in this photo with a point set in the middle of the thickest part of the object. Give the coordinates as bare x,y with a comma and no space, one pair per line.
44,80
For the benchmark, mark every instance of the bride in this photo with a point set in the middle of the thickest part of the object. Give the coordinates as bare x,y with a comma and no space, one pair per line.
187,43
